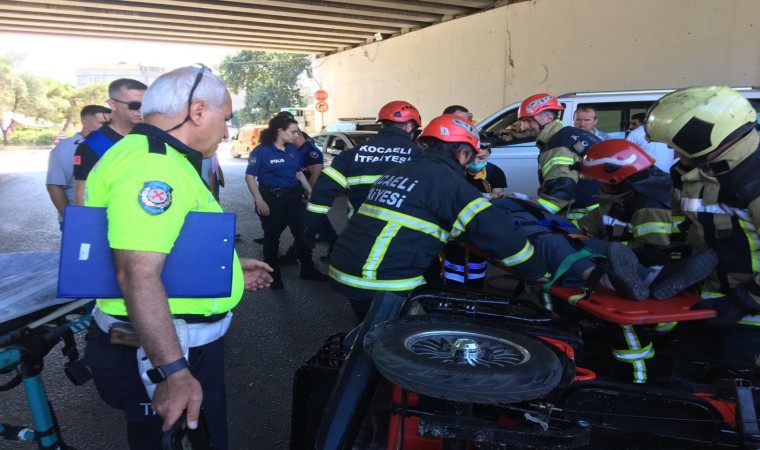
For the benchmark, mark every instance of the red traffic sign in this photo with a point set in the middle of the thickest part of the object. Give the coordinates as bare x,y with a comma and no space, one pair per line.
321,107
320,95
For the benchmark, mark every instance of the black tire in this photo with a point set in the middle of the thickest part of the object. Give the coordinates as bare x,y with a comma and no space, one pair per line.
417,353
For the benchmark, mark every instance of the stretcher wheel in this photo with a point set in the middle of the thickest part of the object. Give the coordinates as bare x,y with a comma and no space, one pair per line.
454,359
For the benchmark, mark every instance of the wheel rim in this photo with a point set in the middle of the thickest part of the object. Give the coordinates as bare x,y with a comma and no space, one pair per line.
467,348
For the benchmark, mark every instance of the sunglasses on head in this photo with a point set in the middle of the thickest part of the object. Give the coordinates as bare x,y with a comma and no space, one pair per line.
134,106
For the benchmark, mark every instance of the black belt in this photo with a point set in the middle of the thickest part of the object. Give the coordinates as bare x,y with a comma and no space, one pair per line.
189,318
279,191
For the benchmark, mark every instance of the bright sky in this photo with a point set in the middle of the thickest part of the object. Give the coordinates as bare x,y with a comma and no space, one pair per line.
58,57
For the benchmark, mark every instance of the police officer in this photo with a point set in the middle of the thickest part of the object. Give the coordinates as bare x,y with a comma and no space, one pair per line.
409,214
148,182
279,189
712,128
356,169
560,151
634,203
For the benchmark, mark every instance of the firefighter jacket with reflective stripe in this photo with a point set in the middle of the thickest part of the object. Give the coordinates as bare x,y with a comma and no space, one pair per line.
722,201
356,169
562,149
408,216
680,224
641,216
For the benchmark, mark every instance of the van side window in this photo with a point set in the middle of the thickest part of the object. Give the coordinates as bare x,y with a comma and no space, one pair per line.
319,141
613,118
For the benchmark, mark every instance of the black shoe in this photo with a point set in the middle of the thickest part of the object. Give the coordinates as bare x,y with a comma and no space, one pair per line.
623,271
311,273
277,284
676,277
259,240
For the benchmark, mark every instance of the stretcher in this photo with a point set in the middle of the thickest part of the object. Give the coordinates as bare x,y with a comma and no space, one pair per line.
32,322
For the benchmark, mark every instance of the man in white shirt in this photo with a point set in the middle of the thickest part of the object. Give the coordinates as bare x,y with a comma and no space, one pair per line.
60,175
662,154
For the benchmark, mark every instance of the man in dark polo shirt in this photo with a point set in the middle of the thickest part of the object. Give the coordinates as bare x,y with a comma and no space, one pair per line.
125,100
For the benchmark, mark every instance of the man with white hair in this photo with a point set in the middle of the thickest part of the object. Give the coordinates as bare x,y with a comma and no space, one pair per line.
148,182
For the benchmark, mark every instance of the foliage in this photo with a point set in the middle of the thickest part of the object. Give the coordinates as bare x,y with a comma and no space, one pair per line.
32,136
269,81
44,99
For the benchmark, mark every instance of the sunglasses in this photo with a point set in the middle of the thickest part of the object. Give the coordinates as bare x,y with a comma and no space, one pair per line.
134,106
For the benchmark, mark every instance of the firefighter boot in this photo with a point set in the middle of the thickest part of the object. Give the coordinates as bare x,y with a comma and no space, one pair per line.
676,277
276,278
623,272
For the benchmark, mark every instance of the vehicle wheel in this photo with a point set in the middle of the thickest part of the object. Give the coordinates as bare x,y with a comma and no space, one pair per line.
450,358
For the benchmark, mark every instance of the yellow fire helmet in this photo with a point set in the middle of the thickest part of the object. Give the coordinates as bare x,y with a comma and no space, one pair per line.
697,120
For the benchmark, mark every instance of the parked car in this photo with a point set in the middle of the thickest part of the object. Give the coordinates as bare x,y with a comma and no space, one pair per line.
246,138
518,160
355,124
334,142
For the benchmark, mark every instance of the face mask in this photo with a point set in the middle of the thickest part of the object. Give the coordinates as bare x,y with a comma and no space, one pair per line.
476,167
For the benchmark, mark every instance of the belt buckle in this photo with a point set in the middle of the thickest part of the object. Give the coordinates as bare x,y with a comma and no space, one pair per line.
277,191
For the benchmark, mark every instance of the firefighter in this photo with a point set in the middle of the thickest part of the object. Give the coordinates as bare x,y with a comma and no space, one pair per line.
409,214
560,151
712,128
634,202
355,170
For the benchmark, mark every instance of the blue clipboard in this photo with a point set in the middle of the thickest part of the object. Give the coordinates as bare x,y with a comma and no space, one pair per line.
199,265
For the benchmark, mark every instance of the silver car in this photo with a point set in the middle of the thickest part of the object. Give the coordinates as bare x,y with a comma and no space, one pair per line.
334,142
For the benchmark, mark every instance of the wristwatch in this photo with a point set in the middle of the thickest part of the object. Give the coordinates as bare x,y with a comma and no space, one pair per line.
160,373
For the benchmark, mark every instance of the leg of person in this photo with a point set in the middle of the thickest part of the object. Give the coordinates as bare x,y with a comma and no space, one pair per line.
357,379
453,273
273,225
554,249
207,366
116,378
295,215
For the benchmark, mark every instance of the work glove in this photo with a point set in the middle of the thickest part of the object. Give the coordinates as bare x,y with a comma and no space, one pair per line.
728,308
310,237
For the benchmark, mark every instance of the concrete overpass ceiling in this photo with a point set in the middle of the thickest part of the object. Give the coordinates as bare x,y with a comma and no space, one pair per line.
309,27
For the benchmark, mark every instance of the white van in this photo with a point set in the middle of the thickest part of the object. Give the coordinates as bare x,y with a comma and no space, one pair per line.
519,161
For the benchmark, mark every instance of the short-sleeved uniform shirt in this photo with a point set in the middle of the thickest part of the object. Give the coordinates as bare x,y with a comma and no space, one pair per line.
147,194
274,167
94,146
61,165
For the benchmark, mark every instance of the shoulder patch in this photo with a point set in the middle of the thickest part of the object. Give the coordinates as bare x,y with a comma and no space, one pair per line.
155,197
314,154
252,160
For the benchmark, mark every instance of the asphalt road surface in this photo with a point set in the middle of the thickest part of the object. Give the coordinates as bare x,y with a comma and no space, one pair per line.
272,334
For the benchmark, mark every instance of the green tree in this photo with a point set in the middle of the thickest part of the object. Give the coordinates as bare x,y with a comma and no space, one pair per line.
269,81
13,96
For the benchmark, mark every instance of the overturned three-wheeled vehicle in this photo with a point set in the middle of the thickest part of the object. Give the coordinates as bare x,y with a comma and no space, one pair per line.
456,369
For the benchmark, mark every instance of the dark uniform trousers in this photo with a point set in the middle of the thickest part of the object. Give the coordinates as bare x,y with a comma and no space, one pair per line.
116,377
285,209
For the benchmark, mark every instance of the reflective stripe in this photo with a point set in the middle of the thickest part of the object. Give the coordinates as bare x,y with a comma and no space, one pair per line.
460,278
405,220
652,227
579,213
711,295
549,206
676,225
519,257
460,268
635,354
752,242
697,205
611,222
467,214
556,161
378,285
319,209
363,179
379,248
665,327
336,176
